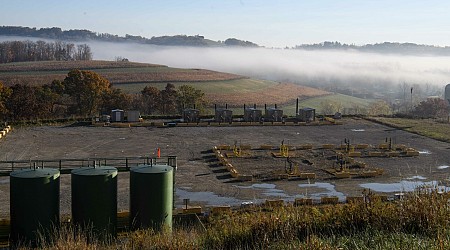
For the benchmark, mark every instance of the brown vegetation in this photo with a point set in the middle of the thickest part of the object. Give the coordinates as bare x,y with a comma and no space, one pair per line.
116,72
280,93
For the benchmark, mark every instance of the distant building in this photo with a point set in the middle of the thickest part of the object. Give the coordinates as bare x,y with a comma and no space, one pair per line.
252,115
273,115
117,115
306,115
223,115
191,115
132,115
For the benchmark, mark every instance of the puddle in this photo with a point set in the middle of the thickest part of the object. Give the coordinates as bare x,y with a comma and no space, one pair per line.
443,167
209,198
358,130
4,181
269,190
417,177
425,152
330,190
403,186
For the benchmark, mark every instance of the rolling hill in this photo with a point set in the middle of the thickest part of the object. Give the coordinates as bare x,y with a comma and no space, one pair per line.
220,88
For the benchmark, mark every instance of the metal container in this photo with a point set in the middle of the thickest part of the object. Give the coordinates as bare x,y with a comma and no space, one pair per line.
94,199
151,197
117,115
447,93
34,205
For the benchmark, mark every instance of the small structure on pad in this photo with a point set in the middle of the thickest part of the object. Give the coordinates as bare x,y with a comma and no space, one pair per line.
223,115
117,115
273,114
132,115
306,115
191,115
252,114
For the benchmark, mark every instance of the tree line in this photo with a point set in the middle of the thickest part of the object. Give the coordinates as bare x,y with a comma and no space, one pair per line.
24,51
79,35
86,94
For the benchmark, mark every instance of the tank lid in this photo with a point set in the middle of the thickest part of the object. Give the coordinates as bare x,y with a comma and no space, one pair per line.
104,170
35,173
151,169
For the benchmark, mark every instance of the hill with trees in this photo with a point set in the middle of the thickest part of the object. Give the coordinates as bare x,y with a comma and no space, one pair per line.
84,35
385,47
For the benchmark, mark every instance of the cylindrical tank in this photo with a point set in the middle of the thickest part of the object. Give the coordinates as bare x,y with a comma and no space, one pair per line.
34,205
151,197
94,199
447,93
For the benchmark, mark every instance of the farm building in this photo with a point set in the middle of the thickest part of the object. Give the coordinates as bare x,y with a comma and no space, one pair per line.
306,115
223,115
273,115
117,115
252,115
191,115
132,115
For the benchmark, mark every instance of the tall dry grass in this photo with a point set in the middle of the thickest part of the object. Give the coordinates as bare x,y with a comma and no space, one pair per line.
419,221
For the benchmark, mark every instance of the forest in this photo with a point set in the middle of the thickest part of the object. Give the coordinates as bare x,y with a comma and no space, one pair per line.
26,51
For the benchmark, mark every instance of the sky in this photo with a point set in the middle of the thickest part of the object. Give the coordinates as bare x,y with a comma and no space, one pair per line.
270,23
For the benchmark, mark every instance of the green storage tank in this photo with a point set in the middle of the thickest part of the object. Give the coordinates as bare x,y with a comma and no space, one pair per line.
151,197
94,200
34,205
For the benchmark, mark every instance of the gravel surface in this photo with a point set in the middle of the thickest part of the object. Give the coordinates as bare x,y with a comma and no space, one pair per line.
204,182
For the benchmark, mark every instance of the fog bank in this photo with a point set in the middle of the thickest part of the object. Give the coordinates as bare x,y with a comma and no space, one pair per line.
301,66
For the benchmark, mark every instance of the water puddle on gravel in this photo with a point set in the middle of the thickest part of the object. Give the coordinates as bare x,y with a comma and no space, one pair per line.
311,190
443,167
403,186
330,190
358,130
268,189
417,177
209,198
425,152
4,180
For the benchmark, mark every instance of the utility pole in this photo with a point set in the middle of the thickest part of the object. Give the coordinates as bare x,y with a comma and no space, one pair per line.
411,99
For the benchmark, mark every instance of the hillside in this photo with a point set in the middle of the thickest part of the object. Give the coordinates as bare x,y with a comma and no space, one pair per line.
219,87
85,35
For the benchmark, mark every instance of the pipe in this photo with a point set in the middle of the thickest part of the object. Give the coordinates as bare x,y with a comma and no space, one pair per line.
296,108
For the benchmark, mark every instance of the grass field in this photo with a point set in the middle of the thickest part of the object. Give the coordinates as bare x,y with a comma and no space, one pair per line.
439,130
316,102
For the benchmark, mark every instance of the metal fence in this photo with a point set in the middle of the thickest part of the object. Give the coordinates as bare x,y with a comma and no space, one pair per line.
66,165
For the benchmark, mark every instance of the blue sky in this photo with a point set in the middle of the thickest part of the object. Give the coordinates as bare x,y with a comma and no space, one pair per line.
276,23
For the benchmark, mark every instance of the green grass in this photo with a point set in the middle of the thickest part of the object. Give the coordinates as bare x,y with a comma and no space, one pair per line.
316,102
226,86
439,130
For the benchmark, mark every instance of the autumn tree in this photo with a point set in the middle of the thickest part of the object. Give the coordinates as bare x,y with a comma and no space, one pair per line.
190,97
151,99
379,107
5,93
169,99
22,102
87,89
115,98
330,107
432,108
